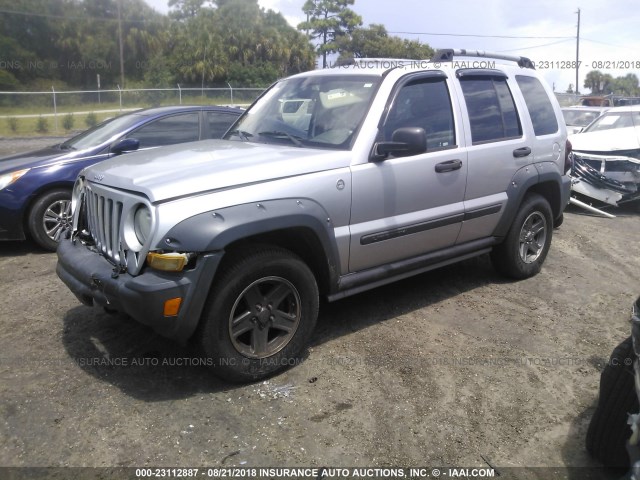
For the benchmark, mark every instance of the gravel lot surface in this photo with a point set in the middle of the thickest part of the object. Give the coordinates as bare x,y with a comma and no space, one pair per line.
457,367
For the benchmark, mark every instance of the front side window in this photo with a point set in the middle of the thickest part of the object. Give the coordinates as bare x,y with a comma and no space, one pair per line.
492,111
318,111
423,103
103,132
540,109
169,131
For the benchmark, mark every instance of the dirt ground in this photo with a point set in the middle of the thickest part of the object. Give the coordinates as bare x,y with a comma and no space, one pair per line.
454,368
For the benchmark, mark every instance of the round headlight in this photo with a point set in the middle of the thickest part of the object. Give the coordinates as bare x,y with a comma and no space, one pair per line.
142,223
76,194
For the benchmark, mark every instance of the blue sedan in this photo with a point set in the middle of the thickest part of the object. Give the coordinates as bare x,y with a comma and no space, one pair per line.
35,187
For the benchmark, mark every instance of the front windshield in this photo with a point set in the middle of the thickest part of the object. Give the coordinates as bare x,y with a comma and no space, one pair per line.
101,133
579,118
315,111
615,120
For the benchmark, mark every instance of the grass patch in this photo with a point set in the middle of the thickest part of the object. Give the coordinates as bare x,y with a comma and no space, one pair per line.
28,127
61,109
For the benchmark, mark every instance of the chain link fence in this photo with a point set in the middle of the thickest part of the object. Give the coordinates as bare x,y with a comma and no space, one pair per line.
53,105
52,102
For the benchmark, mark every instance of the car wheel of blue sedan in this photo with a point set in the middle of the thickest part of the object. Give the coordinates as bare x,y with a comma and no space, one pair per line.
50,215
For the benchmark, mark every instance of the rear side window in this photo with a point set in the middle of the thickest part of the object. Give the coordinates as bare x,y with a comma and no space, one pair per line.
219,123
492,112
540,109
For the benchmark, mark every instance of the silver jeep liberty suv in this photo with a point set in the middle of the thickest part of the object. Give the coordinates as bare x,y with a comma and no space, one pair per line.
333,182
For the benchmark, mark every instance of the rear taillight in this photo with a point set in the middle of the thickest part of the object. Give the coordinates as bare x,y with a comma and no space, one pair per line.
568,158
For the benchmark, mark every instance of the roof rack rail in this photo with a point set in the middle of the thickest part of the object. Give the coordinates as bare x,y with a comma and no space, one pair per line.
447,54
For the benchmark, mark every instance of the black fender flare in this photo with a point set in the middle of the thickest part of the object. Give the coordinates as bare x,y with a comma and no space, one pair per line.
214,230
524,181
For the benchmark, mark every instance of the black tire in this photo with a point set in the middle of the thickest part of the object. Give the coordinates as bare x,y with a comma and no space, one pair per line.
608,430
48,216
261,290
527,243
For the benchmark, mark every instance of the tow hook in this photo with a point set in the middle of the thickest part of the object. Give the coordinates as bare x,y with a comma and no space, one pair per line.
117,271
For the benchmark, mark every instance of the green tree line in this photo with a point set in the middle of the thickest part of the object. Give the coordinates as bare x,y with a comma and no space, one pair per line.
68,43
603,83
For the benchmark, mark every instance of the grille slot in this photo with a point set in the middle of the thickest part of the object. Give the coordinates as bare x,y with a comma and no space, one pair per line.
105,222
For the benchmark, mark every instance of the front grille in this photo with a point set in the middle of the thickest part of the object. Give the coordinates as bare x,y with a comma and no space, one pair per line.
105,220
109,214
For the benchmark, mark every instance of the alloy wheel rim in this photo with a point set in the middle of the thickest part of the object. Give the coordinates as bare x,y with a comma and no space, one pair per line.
265,317
56,218
533,236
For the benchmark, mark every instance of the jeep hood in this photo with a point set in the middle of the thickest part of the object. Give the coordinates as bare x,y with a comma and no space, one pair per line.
191,168
606,141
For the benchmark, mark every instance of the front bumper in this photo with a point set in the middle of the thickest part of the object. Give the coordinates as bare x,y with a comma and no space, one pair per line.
91,278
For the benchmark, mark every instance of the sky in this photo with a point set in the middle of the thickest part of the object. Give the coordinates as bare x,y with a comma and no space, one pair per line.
543,30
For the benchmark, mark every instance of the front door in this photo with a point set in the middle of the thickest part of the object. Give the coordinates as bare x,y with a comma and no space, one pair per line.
406,206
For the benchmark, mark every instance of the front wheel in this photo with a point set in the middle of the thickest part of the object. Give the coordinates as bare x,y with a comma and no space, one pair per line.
527,243
49,216
260,314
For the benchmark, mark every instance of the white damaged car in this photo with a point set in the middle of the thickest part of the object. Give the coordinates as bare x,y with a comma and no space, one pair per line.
606,157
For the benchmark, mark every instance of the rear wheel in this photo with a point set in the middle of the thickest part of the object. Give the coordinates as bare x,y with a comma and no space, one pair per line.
527,243
608,430
48,217
260,314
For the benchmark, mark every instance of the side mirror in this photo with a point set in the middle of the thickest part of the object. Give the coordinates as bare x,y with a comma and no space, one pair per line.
125,145
404,141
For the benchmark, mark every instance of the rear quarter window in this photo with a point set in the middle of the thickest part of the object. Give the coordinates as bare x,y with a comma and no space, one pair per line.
541,110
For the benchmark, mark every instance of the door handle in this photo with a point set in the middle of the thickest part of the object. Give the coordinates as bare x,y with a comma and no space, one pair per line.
448,166
522,152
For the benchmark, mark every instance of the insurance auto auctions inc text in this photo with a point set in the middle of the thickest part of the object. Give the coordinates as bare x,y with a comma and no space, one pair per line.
275,473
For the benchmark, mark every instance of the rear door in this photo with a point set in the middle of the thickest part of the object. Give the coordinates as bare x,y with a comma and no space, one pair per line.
498,147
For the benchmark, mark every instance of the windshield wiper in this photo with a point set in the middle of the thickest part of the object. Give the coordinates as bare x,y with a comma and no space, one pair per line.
244,136
64,146
277,133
